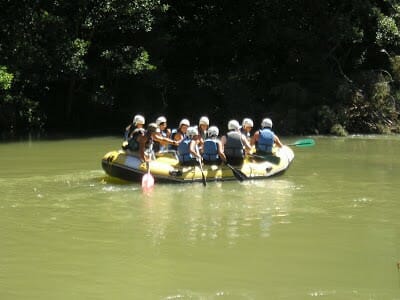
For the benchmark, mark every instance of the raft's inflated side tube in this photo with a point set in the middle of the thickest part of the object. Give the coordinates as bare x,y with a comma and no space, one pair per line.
128,166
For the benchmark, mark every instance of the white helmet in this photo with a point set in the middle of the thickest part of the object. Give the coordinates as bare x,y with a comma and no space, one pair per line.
204,121
152,127
192,131
266,123
161,120
138,119
233,125
213,131
247,122
184,122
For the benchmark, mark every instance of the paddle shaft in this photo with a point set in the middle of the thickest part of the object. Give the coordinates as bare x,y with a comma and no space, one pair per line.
148,167
203,177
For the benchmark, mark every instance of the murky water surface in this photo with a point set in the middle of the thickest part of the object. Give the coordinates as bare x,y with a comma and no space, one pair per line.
328,228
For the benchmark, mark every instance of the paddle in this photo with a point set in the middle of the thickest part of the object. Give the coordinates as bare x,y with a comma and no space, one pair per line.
201,167
147,179
203,178
239,175
303,143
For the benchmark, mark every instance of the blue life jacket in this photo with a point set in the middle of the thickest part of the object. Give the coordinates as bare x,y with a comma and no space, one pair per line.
184,154
234,145
265,140
210,150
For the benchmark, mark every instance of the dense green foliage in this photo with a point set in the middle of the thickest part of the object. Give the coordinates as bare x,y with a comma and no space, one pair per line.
313,66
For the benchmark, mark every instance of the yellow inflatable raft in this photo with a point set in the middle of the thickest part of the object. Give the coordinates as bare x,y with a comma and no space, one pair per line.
128,166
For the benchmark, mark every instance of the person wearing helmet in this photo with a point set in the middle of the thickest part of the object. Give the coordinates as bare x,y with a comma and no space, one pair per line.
265,139
162,136
213,150
235,144
161,143
145,142
188,149
247,126
132,131
204,122
161,121
178,135
137,122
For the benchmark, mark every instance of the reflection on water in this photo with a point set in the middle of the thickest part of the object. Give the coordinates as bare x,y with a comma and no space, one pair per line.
221,210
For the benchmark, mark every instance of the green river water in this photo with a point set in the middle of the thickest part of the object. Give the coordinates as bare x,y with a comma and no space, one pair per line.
328,228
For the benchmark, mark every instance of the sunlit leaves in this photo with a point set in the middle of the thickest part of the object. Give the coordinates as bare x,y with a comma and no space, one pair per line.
6,78
141,63
123,15
387,31
275,56
128,60
75,61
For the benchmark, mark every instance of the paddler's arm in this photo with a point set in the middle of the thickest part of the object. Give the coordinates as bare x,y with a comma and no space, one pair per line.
277,141
254,138
194,149
159,138
221,151
142,148
246,144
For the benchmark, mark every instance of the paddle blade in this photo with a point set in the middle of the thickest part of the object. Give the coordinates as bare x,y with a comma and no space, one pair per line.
239,175
147,182
304,143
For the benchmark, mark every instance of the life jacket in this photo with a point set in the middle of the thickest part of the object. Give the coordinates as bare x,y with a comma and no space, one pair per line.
210,150
234,145
133,144
184,154
265,140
